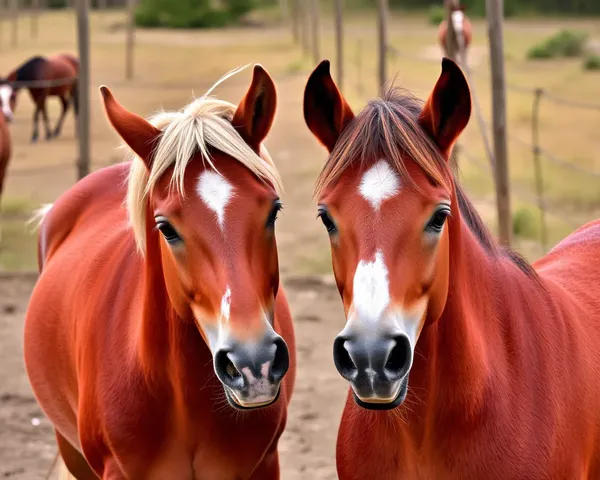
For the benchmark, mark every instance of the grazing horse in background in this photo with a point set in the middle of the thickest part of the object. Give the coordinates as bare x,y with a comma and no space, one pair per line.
158,337
57,68
462,27
5,154
464,361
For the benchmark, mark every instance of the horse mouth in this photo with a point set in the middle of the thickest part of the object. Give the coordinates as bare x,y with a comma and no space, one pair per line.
238,404
384,403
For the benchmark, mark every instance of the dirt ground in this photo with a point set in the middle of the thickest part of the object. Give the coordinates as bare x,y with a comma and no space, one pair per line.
307,448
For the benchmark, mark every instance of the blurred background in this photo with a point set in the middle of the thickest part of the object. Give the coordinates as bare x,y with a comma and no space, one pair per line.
157,54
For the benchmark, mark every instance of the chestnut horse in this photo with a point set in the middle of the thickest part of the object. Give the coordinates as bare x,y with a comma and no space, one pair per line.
60,69
5,154
503,357
157,344
462,27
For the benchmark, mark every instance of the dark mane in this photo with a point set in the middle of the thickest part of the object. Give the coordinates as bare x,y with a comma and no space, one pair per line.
388,127
30,69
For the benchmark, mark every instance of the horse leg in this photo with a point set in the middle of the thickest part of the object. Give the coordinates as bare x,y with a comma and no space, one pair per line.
74,461
268,469
36,114
65,108
46,121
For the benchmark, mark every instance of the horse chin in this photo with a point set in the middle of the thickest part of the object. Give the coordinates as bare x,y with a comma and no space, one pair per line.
378,405
238,405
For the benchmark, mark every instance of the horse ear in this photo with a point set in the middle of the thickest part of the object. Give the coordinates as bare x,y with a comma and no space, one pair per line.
255,113
448,109
138,133
326,112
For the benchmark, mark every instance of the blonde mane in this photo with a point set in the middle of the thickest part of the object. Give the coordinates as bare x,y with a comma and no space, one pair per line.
202,124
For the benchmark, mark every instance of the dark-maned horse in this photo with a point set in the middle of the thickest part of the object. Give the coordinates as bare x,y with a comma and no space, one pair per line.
58,69
464,361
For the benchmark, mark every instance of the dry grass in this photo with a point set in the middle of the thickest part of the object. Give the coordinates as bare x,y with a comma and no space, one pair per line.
171,66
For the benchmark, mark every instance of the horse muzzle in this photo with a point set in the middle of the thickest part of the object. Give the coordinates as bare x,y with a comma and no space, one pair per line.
251,373
376,366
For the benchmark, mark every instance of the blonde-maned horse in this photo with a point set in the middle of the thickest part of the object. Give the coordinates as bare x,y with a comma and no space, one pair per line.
158,338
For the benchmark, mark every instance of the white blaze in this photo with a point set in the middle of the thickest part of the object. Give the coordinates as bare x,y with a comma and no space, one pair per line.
457,17
371,289
226,305
5,94
215,192
379,183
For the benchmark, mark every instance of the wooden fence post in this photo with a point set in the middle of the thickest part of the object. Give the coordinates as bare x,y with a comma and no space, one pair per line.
295,14
339,42
35,12
83,82
494,13
383,40
304,25
314,27
539,180
14,14
130,43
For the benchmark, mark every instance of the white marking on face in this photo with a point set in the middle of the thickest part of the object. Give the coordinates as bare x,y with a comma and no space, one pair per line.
226,305
259,389
371,288
379,183
457,17
215,192
5,94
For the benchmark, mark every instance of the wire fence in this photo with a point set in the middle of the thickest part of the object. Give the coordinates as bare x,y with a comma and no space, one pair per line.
539,154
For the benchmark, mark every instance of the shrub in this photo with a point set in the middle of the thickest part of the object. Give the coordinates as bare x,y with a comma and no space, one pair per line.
525,223
566,43
592,62
436,14
190,13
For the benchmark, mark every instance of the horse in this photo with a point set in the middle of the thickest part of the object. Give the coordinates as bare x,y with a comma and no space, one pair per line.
462,27
158,338
61,69
503,356
5,153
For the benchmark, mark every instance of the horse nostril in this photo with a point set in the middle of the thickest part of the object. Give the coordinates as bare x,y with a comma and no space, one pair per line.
281,361
342,360
399,358
226,370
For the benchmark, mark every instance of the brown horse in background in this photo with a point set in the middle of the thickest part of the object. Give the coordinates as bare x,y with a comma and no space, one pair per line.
56,68
462,27
5,152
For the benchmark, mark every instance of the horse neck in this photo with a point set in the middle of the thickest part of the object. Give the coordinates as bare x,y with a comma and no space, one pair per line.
458,356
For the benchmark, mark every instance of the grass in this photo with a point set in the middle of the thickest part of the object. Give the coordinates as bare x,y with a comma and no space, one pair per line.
566,43
592,62
172,65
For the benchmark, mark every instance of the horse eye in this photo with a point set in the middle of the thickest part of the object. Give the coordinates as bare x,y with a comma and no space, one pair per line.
277,207
326,219
167,230
436,223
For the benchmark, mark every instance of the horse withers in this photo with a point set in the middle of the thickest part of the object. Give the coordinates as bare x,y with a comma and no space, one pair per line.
158,339
464,362
59,72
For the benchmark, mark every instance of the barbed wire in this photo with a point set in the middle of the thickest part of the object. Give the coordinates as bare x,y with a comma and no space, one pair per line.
58,82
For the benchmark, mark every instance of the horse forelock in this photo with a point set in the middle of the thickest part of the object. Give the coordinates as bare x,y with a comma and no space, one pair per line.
201,126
